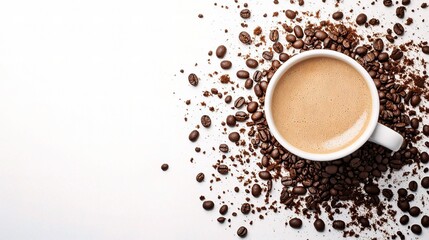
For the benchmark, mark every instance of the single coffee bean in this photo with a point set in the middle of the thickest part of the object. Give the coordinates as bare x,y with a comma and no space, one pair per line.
231,121
364,222
257,76
245,13
387,193
299,190
425,49
193,79
361,51
425,182
228,99
321,35
402,192
234,137
274,35
267,55
415,100
298,31
290,14
387,3
223,148
258,90
221,51
245,38
424,157
239,102
206,121
252,107
252,63
337,15
374,21
248,84
242,232
404,220
256,190
426,130
425,221
164,167
265,175
406,2
413,186
414,123
226,64
242,74
382,57
257,116
378,44
278,47
245,208
193,136
223,169
200,177
400,12
298,44
416,229
396,54
404,205
295,223
414,211
361,19
208,205
331,169
319,225
339,224
221,219
290,38
223,209
372,189
283,57
241,116
398,29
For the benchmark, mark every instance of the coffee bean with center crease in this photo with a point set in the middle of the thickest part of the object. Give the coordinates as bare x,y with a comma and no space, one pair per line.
319,225
245,38
245,208
414,211
221,51
200,177
337,15
231,121
404,219
387,193
400,12
290,14
416,229
257,76
361,19
256,190
398,29
361,51
396,54
425,221
226,64
193,136
234,137
274,35
208,205
295,223
298,31
193,79
299,190
252,63
278,47
239,102
267,55
223,169
265,175
241,116
378,44
221,219
223,209
206,121
252,107
298,44
425,182
223,148
245,13
242,74
242,232
339,224
387,3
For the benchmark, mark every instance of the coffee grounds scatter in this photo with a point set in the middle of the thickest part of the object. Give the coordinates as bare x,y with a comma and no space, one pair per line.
352,188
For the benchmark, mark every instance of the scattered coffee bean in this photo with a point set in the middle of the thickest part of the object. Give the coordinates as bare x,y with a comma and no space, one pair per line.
364,222
278,47
274,35
406,2
223,148
206,121
284,57
228,99
234,137
425,221
223,169
208,205
413,186
396,54
331,169
257,76
245,38
245,13
226,64
425,49
319,225
193,136
398,29
382,57
223,209
404,220
221,51
339,224
242,74
378,45
415,123
387,193
200,177
267,55
426,130
361,19
361,51
252,63
231,121
374,21
372,189
404,205
242,232
252,107
298,44
414,211
321,35
193,79
257,116
164,167
424,157
239,102
415,100
400,12
387,3
265,175
221,219
416,229
256,190
295,223
298,31
337,15
299,190
290,14
245,208
425,182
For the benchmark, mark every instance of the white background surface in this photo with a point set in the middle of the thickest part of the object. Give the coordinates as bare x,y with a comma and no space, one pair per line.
88,115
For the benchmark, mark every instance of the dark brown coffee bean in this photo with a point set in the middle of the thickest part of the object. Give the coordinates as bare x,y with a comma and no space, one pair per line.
252,63
257,76
221,51
374,21
295,223
193,79
221,219
424,157
241,116
415,123
193,136
265,175
252,107
387,3
223,148
404,205
223,209
230,120
404,220
339,224
372,189
396,54
278,47
226,64
274,35
245,13
361,19
413,185
398,29
426,130
208,205
257,116
283,57
337,15
239,102
406,2
206,121
228,99
245,208
425,49
242,74
364,222
425,221
245,38
321,35
299,190
234,137
298,44
319,225
298,31
425,182
258,90
415,100
414,211
256,190
331,169
387,193
248,84
200,177
267,55
382,57
402,192
416,229
290,14
290,38
361,51
242,232
400,12
223,169
164,167
378,45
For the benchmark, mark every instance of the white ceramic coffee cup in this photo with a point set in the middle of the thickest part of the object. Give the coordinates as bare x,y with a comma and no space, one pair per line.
374,132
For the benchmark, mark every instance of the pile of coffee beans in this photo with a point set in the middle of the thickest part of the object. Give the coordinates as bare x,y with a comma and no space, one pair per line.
309,187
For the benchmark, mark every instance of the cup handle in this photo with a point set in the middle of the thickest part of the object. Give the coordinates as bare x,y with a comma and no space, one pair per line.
386,137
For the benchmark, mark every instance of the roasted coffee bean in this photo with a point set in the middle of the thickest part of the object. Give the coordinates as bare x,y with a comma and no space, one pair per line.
364,222
257,116
425,182
321,35
193,136
382,57
404,220
239,102
319,225
258,90
274,35
416,229
331,169
242,74
425,221
267,55
193,79
299,190
387,193
290,14
265,175
231,121
413,185
257,76
398,29
278,47
252,63
426,130
415,123
425,49
248,84
387,3
242,231
221,219
200,177
234,137
400,12
245,38
372,189
404,205
228,99
164,167
290,38
256,190
223,169
374,21
406,2
245,208
206,121
241,116
424,157
415,100
402,192
221,51
245,13
361,51
223,209
298,31
396,54
223,148
226,64
298,44
378,45
337,15
339,224
414,211
361,19
252,107
295,223
283,57
208,205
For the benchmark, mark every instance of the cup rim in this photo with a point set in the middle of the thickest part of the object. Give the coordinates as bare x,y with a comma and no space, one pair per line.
322,156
